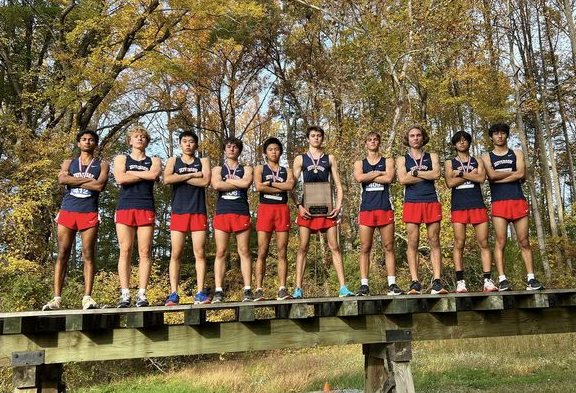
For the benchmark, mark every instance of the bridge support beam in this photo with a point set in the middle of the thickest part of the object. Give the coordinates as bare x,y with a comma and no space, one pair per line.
44,378
387,368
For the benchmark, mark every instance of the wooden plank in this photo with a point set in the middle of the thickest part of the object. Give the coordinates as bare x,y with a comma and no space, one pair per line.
369,306
375,372
92,321
442,304
194,316
144,319
17,325
562,300
348,308
486,303
531,300
298,311
325,309
244,314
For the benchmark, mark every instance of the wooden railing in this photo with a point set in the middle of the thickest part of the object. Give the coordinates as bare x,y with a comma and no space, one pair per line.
36,344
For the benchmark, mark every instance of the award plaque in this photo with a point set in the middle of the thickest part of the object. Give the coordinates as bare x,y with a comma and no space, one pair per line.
318,198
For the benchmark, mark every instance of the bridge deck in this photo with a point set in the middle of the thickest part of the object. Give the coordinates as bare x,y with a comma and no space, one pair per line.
107,334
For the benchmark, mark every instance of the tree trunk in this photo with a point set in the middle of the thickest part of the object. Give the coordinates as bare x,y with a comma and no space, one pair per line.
571,29
529,171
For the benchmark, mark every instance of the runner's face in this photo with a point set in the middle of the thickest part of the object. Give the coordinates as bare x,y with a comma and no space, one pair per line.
87,143
462,146
138,141
231,151
188,145
500,138
415,138
373,143
273,153
315,139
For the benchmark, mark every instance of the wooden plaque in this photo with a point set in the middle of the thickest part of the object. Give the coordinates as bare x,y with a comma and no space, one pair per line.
318,198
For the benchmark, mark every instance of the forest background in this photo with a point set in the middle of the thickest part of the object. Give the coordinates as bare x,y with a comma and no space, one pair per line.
253,69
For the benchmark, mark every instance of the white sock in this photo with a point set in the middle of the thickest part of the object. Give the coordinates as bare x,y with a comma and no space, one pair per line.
125,291
218,289
57,297
247,287
530,276
141,291
363,281
281,288
391,280
86,297
501,278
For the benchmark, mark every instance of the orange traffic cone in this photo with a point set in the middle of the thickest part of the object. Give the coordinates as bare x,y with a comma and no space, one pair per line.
326,387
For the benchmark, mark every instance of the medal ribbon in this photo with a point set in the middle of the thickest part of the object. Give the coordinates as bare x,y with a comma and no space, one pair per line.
231,175
418,164
87,168
275,175
466,168
315,163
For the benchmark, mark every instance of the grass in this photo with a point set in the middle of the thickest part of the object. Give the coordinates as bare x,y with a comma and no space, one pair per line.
512,364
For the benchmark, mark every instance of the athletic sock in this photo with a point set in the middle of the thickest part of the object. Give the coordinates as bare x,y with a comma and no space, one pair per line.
363,281
459,275
487,275
391,280
218,289
141,291
125,291
247,287
501,278
530,276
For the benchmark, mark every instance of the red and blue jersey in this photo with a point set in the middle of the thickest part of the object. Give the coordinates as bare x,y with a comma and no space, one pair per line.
315,172
139,195
78,199
280,177
469,194
186,198
424,191
375,196
235,201
505,191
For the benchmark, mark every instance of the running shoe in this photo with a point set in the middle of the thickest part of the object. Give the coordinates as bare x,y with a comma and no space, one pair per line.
283,294
415,288
142,300
201,298
461,286
248,296
54,304
298,293
438,288
259,295
88,303
489,285
218,297
533,285
173,299
363,291
504,286
394,290
125,301
345,292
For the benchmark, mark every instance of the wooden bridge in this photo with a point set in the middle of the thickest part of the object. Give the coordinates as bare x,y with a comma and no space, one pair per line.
36,344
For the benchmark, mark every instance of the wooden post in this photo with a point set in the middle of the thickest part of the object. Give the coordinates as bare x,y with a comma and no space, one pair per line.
44,378
387,368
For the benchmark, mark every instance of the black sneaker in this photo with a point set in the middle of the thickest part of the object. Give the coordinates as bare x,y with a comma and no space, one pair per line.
283,294
259,295
394,290
504,286
125,301
415,288
363,291
534,285
218,297
438,288
248,296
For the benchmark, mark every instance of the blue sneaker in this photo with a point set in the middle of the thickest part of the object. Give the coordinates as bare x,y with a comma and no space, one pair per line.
201,298
345,292
298,293
172,300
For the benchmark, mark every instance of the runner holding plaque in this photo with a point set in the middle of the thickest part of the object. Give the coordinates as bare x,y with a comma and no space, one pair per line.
318,169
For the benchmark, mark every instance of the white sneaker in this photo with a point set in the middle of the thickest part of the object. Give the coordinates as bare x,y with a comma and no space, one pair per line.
489,285
54,304
461,286
88,303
